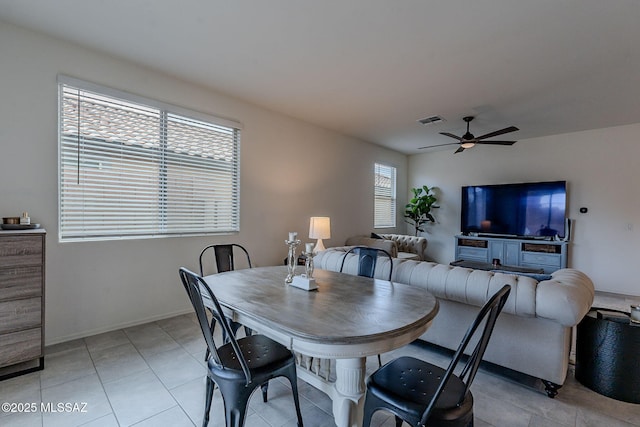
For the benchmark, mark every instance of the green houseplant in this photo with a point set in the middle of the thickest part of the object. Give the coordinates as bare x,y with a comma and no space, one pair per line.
418,210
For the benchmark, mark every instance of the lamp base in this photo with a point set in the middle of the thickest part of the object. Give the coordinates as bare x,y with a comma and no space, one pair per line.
319,247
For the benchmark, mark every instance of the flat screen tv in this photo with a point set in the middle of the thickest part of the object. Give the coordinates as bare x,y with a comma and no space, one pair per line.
527,210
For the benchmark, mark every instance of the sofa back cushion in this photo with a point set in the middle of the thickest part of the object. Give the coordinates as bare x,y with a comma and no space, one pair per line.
565,298
467,286
411,244
385,244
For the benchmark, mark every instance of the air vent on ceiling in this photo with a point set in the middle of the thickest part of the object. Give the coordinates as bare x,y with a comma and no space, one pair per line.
431,120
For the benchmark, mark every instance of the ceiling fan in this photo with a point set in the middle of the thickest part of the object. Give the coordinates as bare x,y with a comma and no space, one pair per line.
468,140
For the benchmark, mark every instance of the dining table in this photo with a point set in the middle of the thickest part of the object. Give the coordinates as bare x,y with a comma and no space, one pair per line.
344,320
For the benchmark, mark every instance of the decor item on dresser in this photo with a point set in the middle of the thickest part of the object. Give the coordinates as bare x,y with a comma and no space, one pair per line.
533,334
18,223
418,210
22,260
319,228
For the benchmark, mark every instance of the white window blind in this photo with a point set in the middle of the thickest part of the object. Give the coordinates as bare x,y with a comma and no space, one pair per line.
385,196
131,167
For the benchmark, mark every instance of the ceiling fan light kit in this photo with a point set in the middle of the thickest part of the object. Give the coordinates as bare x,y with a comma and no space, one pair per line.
468,140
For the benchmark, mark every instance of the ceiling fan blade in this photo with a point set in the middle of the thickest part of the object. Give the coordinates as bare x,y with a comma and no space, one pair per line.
450,135
438,145
459,150
496,142
498,132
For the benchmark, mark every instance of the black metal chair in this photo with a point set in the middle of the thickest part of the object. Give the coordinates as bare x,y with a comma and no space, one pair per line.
238,366
367,259
225,261
223,255
421,393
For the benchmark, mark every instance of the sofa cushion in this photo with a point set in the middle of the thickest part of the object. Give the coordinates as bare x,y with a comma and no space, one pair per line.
410,244
385,244
464,285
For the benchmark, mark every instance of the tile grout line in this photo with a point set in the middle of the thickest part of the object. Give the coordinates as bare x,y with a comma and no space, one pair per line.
101,383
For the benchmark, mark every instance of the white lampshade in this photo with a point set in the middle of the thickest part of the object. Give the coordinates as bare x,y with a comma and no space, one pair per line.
319,228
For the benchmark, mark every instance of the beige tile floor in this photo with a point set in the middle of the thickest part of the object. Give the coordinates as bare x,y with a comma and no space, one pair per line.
153,375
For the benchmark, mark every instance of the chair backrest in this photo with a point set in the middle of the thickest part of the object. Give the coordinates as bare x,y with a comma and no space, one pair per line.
199,292
223,255
488,314
367,259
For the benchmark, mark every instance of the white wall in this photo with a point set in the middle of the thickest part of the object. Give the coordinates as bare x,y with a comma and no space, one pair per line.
290,171
602,171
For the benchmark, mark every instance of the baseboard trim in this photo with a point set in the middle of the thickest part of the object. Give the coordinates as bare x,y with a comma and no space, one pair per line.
114,327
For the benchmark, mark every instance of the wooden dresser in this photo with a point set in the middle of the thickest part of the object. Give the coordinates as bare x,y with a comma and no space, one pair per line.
22,272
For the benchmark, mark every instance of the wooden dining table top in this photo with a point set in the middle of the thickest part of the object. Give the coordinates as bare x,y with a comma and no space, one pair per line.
345,309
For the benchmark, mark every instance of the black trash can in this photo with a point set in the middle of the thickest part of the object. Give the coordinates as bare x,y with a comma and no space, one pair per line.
608,354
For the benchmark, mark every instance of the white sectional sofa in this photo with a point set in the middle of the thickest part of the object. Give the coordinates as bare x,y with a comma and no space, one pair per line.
533,333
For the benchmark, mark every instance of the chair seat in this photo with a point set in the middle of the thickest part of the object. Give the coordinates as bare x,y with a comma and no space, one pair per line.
262,354
409,384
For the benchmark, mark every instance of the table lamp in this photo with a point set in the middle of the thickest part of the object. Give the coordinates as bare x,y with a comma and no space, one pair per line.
319,228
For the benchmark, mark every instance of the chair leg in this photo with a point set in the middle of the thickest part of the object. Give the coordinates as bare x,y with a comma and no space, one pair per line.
235,417
294,389
236,406
265,388
398,421
368,412
379,362
207,402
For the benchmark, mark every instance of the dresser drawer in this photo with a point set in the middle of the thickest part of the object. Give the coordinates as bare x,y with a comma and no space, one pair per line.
476,254
20,282
20,346
534,258
18,251
20,314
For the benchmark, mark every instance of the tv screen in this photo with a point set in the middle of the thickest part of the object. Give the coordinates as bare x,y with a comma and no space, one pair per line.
535,209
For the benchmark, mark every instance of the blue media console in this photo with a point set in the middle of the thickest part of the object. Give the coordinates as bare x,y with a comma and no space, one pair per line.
547,255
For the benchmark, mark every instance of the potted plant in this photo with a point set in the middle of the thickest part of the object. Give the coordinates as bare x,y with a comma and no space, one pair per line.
418,210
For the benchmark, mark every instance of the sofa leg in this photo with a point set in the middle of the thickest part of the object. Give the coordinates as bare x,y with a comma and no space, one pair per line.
551,388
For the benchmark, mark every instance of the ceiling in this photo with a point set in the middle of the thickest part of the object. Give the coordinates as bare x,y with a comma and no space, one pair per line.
372,68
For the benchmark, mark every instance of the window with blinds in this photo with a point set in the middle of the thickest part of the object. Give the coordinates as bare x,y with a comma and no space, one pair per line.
385,196
132,167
